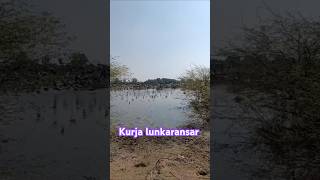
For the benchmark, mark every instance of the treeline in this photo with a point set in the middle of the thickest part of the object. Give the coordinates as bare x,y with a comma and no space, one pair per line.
157,83
23,74
161,81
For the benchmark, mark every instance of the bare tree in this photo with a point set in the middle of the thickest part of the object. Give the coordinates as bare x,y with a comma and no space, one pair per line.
117,70
196,82
276,66
25,32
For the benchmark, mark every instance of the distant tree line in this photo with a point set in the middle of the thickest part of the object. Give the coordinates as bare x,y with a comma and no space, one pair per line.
28,75
161,81
150,83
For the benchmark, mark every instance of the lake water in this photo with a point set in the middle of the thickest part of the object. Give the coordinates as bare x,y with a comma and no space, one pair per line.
49,135
149,107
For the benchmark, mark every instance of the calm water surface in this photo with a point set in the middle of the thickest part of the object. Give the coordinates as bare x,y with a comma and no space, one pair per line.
149,107
49,135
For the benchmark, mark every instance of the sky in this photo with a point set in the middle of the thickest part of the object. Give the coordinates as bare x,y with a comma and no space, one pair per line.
88,20
160,39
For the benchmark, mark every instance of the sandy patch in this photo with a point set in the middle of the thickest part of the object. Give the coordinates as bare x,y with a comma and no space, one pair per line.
157,158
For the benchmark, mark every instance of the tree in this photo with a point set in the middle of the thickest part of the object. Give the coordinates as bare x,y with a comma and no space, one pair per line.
196,82
117,70
134,80
78,59
279,64
23,30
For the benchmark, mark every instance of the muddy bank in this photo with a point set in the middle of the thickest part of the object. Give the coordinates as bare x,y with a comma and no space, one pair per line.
160,157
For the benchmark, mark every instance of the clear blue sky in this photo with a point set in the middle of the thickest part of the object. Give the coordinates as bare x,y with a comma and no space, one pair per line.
160,38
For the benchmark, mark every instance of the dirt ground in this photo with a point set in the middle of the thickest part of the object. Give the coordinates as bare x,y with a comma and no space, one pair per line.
157,158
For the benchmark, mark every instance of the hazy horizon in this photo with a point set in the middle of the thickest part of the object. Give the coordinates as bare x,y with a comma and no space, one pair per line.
160,39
